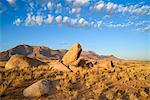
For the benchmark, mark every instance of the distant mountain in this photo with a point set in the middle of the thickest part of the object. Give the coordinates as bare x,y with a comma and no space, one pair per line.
45,53
40,52
95,56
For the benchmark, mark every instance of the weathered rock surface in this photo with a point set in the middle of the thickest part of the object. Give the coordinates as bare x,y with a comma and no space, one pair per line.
76,63
61,67
22,62
72,55
42,87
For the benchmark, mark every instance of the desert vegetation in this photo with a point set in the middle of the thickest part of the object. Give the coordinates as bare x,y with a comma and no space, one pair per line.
74,78
127,81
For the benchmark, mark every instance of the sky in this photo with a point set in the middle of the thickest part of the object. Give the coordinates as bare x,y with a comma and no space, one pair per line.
118,27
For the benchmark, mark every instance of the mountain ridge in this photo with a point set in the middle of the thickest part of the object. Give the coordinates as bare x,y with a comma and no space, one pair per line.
46,53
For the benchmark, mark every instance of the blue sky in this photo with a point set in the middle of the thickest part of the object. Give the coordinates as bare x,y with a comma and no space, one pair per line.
118,27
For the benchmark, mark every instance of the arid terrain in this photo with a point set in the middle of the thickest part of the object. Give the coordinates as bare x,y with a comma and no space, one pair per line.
37,72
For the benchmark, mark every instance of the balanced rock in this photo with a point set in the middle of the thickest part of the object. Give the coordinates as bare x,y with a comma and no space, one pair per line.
72,55
61,67
22,62
42,87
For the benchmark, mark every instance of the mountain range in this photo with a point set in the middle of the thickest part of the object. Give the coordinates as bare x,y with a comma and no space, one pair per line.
45,53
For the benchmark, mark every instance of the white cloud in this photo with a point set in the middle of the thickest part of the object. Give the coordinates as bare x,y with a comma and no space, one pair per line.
141,10
145,29
66,19
28,20
92,23
80,2
58,19
82,22
39,20
76,10
106,17
59,5
99,23
73,22
140,23
49,5
134,9
99,6
70,21
17,22
111,6
49,19
96,24
119,25
33,20
122,9
58,8
11,2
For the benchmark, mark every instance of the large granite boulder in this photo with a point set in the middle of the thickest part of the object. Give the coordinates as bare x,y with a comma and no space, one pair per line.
22,62
42,87
72,55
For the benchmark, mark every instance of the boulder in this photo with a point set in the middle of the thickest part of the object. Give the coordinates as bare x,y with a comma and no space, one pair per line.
72,55
61,67
76,63
42,87
22,62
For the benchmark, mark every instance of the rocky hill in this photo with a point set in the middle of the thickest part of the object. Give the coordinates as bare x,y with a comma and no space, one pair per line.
40,52
45,53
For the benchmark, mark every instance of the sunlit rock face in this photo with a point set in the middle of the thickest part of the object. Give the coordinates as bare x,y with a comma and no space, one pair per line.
72,55
42,87
22,62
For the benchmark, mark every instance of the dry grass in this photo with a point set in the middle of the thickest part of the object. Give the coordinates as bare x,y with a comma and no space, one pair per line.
128,80
3,63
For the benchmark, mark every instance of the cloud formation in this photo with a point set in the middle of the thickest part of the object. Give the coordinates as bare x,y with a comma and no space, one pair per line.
49,19
119,8
111,6
76,10
58,19
49,5
39,20
80,2
145,29
83,22
99,6
33,20
83,13
17,22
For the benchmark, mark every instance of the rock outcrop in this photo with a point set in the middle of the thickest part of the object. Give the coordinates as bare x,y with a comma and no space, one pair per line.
69,59
61,67
42,87
72,55
22,62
